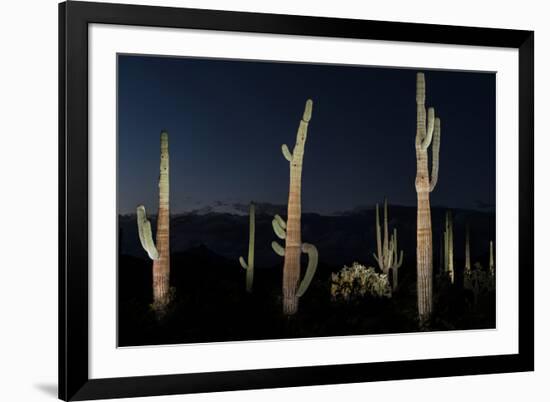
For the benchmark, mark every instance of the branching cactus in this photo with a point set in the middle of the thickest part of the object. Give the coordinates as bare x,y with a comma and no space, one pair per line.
290,231
279,227
387,255
449,247
159,253
428,131
249,265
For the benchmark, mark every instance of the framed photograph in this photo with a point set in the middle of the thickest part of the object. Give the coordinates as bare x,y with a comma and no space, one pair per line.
257,201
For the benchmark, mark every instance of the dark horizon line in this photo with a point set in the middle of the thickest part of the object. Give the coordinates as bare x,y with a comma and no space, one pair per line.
357,209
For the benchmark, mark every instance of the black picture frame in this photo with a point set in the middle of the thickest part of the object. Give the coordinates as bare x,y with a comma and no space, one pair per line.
74,381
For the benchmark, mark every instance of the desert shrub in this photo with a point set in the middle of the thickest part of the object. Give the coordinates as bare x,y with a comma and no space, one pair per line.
480,281
358,281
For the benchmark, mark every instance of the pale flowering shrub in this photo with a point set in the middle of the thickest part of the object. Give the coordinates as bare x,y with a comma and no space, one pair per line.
358,281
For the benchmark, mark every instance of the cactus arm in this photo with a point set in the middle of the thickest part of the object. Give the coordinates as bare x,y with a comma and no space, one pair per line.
378,239
279,231
280,221
145,234
385,245
435,154
243,263
279,250
398,265
286,153
377,260
397,261
430,129
313,255
308,111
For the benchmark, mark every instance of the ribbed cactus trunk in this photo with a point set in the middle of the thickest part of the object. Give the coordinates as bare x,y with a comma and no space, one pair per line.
161,266
293,248
449,247
425,128
249,264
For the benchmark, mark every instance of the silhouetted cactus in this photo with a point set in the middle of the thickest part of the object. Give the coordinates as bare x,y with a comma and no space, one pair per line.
467,264
387,257
249,265
427,133
491,259
160,254
290,231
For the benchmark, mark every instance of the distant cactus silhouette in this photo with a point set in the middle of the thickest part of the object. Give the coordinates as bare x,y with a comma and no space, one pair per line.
249,265
491,259
387,257
160,254
467,264
427,133
290,231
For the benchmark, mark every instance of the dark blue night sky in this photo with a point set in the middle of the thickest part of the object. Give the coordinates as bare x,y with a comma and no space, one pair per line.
227,120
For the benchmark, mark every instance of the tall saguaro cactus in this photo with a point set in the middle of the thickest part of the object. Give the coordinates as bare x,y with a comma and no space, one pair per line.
160,254
387,257
249,265
428,131
468,264
449,247
291,231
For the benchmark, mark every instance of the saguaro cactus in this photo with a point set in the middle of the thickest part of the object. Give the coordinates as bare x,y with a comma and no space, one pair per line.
468,264
449,247
160,254
387,257
249,265
290,231
491,259
427,132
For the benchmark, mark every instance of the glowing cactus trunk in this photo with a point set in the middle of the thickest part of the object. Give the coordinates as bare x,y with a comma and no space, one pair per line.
161,266
425,131
249,264
449,247
387,257
293,249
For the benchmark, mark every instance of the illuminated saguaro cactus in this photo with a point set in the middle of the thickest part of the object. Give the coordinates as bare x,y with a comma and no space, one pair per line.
428,131
160,254
387,257
290,231
449,247
249,265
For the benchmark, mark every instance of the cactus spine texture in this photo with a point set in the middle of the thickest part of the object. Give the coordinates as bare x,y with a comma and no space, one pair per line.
249,266
427,132
160,254
290,231
387,255
449,246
